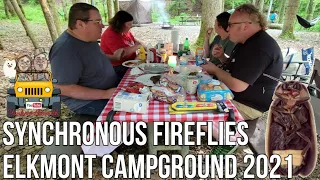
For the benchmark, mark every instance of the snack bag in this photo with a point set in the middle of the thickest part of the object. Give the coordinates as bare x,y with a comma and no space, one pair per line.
133,87
171,83
168,90
165,94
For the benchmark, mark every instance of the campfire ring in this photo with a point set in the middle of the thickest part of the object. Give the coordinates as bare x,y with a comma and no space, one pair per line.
166,25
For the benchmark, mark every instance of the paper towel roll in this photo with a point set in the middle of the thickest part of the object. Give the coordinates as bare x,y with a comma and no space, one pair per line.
175,39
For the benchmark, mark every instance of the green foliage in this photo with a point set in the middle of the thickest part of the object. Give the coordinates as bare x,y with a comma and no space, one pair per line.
176,7
228,3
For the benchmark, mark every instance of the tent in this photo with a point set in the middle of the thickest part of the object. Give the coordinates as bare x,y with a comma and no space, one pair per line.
139,9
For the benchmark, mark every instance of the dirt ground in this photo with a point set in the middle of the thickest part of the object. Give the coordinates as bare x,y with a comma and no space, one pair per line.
16,42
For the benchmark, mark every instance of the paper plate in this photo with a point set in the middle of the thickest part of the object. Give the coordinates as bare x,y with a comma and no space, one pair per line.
145,79
154,68
188,68
132,63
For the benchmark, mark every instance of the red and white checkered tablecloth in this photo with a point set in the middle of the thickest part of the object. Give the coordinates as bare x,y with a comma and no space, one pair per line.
158,111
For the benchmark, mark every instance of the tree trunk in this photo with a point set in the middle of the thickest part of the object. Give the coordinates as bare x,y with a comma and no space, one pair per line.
78,1
6,9
289,19
253,2
55,15
64,7
11,8
20,5
49,20
104,11
210,9
259,5
1,46
311,8
110,9
282,10
116,6
222,6
24,23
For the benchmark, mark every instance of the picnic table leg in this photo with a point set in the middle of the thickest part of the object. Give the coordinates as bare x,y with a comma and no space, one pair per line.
151,148
184,149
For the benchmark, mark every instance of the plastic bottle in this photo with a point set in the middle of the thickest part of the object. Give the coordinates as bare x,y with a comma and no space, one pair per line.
142,54
183,59
149,54
186,45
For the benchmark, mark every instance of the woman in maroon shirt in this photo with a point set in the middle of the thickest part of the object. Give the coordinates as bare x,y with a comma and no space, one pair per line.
117,36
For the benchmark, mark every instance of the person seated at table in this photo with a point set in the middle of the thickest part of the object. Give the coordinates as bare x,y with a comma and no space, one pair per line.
220,41
118,35
85,76
256,55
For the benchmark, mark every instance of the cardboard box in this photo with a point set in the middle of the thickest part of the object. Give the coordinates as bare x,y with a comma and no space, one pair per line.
131,102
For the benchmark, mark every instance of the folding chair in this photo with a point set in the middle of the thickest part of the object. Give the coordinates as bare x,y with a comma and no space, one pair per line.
316,78
293,70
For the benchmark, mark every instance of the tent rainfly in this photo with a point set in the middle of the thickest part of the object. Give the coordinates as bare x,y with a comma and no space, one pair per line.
139,9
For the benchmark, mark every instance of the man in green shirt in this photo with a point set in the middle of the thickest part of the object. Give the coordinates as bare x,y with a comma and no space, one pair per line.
221,41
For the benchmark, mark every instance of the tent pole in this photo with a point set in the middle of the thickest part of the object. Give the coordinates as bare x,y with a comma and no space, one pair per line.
270,6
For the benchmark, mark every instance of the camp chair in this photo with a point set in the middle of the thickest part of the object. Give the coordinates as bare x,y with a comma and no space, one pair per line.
307,24
293,63
315,77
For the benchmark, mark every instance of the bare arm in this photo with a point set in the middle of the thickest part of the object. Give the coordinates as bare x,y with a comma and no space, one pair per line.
206,47
136,41
84,93
117,55
207,42
131,50
232,83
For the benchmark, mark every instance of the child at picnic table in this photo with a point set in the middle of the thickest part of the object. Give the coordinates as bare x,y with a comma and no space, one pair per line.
117,36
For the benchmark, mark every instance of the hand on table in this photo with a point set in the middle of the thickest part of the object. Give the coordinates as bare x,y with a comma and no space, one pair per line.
209,67
217,51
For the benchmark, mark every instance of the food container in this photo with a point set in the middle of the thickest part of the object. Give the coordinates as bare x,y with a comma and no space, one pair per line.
213,90
192,83
131,102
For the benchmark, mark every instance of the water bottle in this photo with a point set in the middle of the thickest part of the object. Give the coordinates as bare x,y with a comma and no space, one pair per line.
186,45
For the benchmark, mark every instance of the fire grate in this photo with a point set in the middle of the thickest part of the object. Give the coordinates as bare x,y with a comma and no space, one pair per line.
166,25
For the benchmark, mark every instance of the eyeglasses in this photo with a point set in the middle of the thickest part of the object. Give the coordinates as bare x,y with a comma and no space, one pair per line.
94,21
229,24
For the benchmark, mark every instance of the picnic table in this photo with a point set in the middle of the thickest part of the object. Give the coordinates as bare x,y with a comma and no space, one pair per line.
194,19
158,111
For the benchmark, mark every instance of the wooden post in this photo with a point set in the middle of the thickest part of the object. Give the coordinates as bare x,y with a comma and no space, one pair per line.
24,23
6,9
11,8
64,7
20,5
110,9
116,6
54,12
49,19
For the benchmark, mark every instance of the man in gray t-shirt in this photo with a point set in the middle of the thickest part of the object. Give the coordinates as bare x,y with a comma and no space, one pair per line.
85,76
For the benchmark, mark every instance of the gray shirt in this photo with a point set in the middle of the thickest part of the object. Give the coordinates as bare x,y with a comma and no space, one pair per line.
83,63
225,43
